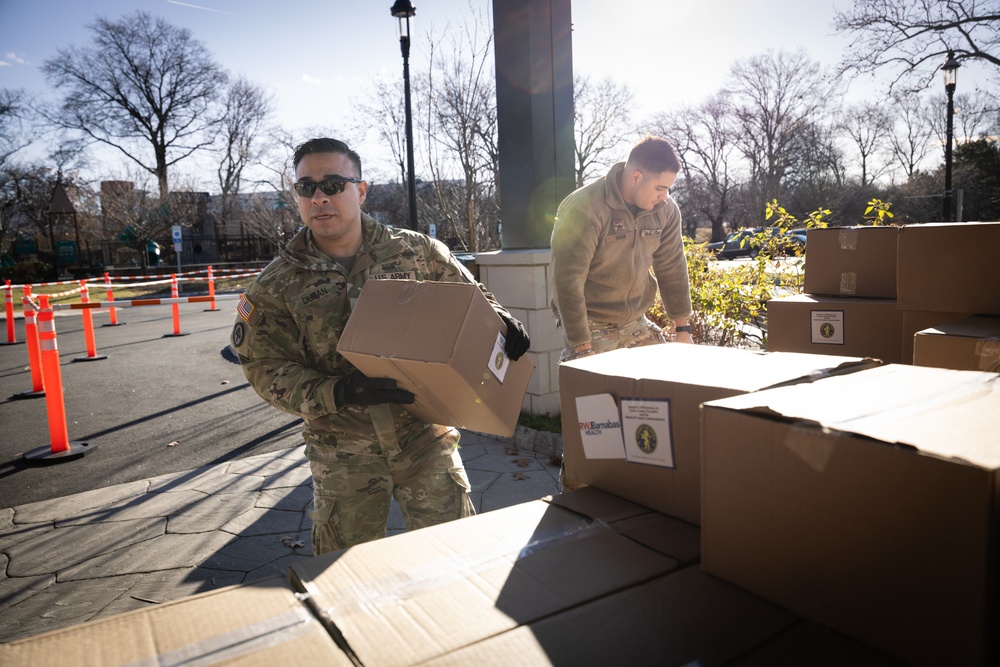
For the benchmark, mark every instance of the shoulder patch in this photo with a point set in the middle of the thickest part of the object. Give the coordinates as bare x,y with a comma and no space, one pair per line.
247,309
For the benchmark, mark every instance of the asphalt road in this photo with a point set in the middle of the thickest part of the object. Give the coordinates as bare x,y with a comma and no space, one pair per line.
157,404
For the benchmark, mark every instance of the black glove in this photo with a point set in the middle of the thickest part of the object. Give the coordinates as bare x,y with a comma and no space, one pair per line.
517,338
359,389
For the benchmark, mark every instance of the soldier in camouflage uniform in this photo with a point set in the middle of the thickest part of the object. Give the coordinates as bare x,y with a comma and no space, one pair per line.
363,447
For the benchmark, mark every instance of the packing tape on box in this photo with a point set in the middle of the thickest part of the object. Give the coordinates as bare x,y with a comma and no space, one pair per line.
374,594
848,239
988,351
848,283
241,641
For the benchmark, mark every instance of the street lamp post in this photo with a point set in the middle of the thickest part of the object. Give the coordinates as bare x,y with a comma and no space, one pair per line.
950,72
404,10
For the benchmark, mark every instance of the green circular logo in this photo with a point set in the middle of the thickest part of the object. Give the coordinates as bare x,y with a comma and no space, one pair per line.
645,438
826,330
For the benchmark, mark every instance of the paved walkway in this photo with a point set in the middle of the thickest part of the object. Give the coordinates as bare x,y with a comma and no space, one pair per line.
102,552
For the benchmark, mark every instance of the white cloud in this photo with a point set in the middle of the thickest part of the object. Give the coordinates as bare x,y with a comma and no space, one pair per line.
311,80
11,58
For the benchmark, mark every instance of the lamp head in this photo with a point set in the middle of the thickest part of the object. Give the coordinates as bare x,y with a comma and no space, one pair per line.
950,71
404,11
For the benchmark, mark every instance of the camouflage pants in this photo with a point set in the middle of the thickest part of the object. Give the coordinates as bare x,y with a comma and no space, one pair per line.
351,497
605,337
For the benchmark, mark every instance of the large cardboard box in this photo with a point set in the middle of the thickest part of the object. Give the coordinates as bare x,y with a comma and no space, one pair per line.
444,343
851,261
868,502
253,625
631,417
949,267
422,594
847,326
970,344
835,325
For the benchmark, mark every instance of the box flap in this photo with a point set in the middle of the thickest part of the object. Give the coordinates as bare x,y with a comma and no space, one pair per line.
977,326
934,410
253,625
423,593
685,618
720,367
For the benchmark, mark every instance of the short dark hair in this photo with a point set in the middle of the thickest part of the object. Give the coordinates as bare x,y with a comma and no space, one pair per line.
326,145
654,155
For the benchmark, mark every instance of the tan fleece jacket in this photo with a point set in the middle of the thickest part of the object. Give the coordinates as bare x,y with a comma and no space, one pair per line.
602,254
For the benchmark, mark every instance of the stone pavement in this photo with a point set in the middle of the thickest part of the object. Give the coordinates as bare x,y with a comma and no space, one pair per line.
96,553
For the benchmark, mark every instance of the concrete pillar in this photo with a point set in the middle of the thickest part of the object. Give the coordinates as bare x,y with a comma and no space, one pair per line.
534,80
520,280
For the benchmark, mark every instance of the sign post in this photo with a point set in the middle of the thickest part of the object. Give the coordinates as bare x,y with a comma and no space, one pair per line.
177,245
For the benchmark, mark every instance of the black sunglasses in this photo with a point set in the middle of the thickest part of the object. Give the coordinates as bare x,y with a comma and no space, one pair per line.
331,185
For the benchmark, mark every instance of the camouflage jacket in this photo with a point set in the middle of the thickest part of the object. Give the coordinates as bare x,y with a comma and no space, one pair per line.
290,320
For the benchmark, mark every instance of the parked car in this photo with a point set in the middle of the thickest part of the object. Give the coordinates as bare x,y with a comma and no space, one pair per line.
746,242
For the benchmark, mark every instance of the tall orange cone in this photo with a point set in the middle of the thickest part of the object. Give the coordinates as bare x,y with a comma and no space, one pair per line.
88,327
211,292
59,448
9,311
111,297
175,307
34,353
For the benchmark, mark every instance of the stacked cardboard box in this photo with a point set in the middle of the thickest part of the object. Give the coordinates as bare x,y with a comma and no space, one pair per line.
868,502
970,344
631,420
869,290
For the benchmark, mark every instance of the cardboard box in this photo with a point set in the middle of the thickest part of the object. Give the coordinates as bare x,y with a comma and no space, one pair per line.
444,343
918,320
949,267
851,261
253,625
421,594
685,618
631,417
835,325
847,326
868,502
970,344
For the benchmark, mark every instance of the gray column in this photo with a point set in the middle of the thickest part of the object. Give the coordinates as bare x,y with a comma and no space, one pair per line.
534,76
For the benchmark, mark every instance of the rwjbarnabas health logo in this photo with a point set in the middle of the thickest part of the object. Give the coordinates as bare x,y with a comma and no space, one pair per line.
596,428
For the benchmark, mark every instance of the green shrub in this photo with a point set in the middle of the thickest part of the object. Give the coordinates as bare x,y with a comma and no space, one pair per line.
730,301
22,273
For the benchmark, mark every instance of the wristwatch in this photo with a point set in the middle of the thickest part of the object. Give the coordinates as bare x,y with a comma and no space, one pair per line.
683,329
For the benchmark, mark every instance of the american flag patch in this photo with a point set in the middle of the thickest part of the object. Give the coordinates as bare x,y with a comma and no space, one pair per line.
245,308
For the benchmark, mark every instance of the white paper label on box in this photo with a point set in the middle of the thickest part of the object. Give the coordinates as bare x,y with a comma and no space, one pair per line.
646,429
498,358
827,327
600,429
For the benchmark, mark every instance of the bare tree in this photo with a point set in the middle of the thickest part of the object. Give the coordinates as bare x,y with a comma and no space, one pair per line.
910,133
247,110
601,125
912,38
705,142
14,110
142,86
385,115
867,127
459,122
777,97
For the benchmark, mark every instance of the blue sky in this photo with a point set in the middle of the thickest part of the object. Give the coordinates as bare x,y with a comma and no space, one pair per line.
317,57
